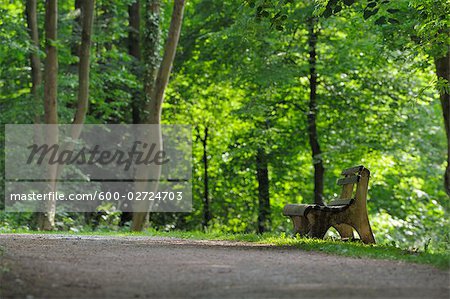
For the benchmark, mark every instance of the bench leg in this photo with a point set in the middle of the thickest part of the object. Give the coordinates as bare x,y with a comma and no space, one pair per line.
319,223
364,230
301,225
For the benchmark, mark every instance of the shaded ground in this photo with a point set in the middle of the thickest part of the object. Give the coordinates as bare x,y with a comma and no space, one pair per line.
52,266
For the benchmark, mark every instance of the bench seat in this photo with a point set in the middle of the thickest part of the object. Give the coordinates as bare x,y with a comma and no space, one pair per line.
337,205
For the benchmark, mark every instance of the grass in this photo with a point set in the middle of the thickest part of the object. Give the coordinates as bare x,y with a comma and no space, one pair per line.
352,249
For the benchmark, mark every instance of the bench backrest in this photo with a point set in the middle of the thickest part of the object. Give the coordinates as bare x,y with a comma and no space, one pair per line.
359,176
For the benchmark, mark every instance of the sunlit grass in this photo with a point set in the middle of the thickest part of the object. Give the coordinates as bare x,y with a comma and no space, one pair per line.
352,249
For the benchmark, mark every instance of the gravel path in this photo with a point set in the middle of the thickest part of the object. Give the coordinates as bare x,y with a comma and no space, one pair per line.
55,266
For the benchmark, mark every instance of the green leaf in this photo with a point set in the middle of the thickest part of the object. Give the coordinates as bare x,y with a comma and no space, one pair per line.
349,2
332,2
368,13
380,21
393,21
393,10
327,13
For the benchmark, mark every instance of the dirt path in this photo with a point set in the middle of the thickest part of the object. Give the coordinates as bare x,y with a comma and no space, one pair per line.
51,266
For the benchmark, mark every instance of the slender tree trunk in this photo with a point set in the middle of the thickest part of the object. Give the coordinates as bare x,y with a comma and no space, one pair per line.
312,114
155,86
443,72
166,64
87,20
36,74
84,65
83,51
150,49
206,208
262,174
134,50
46,220
75,48
35,62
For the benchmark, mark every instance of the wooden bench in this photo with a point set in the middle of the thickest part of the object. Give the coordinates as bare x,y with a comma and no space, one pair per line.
345,213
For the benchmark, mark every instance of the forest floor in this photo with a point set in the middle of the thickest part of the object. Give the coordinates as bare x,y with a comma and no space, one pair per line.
61,266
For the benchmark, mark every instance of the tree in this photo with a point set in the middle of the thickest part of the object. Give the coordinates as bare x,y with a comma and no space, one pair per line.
312,113
134,50
46,220
84,66
203,137
262,174
443,74
35,60
155,81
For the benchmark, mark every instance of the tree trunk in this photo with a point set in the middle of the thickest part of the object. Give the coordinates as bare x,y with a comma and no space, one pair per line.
135,51
83,52
36,74
46,220
35,63
75,48
262,174
443,72
312,114
87,20
84,64
206,208
154,89
151,58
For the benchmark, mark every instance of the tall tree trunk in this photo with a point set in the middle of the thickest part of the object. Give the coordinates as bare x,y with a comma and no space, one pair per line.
155,86
46,220
36,74
206,208
83,51
84,65
312,114
443,72
150,49
87,20
134,50
77,25
262,174
35,62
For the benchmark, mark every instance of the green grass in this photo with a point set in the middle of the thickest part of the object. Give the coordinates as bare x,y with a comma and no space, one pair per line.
352,249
